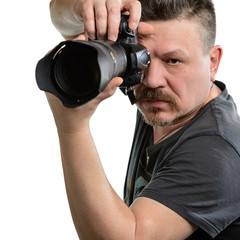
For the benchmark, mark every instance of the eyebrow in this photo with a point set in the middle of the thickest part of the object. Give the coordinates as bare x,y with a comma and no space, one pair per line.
175,52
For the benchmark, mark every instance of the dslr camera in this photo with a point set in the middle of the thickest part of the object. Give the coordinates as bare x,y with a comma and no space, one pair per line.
77,71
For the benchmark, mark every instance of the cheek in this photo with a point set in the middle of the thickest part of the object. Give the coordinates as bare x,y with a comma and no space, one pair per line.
136,88
201,82
192,87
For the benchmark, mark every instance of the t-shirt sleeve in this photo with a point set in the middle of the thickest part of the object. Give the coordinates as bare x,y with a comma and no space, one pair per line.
200,181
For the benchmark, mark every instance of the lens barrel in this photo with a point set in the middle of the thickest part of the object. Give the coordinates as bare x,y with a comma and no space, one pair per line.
83,69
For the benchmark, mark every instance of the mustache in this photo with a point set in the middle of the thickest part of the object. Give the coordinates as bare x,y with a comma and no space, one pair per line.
154,94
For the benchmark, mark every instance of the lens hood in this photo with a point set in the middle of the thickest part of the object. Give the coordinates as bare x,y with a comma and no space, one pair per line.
77,71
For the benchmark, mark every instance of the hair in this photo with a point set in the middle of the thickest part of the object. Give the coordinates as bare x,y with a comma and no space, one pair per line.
202,11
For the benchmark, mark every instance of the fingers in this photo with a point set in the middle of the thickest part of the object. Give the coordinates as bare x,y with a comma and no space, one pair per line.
114,16
114,10
135,11
89,19
102,17
133,7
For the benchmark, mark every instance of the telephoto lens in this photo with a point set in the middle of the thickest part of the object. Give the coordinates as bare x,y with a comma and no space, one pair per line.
83,69
77,71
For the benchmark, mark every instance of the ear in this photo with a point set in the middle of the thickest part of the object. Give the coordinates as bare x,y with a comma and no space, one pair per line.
215,55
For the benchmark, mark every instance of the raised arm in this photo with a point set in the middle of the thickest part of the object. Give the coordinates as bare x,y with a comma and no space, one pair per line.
97,18
98,212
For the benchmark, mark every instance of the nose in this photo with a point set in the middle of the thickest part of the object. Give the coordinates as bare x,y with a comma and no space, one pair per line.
154,75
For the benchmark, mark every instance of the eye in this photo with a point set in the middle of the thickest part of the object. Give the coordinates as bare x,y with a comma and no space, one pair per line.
173,61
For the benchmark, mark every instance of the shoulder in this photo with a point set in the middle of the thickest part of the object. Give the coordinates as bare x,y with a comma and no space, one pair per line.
209,154
199,180
218,118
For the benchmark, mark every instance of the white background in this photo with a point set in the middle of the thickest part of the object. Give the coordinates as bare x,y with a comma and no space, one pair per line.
33,203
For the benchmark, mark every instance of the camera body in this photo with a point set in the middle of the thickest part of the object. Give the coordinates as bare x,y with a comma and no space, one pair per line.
77,71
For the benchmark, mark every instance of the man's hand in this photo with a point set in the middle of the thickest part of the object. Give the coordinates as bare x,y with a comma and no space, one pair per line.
101,18
70,120
74,120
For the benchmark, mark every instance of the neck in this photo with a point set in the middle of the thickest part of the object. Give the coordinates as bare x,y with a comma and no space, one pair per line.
161,133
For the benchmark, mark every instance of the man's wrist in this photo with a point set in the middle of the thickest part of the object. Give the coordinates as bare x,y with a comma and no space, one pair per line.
71,130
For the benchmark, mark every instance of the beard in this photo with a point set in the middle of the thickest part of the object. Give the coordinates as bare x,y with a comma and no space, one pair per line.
160,122
158,94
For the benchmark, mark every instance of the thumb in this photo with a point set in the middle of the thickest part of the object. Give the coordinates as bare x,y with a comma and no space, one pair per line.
145,29
110,89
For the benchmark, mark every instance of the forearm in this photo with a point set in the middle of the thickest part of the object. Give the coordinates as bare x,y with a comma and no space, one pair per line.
97,211
65,19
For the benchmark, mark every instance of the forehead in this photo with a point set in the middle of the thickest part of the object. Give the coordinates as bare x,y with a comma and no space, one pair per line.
173,34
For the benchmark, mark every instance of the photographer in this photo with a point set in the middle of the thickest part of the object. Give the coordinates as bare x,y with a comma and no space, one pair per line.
184,169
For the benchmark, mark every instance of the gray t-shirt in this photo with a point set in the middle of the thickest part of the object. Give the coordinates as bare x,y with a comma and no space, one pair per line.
195,172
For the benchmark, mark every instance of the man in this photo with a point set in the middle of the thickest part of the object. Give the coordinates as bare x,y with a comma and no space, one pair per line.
184,168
